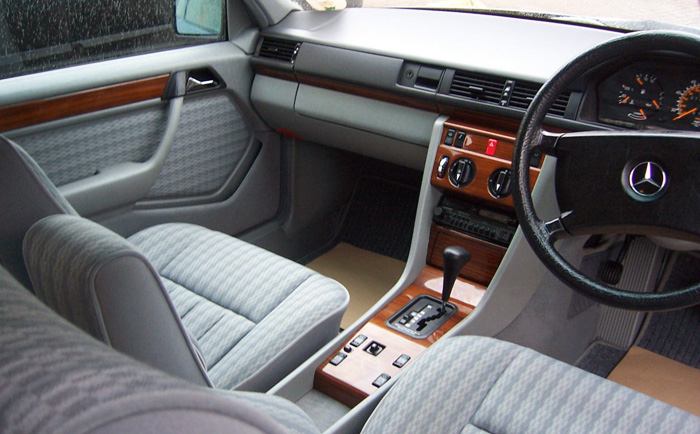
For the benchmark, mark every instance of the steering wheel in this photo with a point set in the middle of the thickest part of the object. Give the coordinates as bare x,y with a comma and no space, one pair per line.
631,182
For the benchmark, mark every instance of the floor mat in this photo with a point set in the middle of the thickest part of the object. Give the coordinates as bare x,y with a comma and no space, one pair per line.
366,275
600,358
381,216
675,334
659,377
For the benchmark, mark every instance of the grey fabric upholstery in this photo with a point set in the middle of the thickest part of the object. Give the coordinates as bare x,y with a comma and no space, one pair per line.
254,314
56,379
95,279
27,196
475,384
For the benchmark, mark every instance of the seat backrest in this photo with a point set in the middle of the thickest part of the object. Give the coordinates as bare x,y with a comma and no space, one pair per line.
26,196
56,379
98,281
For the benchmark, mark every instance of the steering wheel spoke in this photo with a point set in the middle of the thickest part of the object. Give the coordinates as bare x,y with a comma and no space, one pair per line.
626,182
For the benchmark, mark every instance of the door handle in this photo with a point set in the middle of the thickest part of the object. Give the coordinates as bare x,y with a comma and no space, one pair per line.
194,84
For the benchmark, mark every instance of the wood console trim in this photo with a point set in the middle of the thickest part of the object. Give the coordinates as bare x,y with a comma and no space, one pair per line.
486,257
484,166
351,381
36,112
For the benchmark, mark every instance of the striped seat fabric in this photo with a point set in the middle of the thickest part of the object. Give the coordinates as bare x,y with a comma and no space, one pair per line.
224,313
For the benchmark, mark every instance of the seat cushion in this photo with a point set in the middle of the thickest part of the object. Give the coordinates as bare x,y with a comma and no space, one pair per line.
475,384
254,314
57,379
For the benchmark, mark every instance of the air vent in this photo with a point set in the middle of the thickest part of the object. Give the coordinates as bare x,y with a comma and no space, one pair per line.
559,106
279,49
524,92
477,86
502,91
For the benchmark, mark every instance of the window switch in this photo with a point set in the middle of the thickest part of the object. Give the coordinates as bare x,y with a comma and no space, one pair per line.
359,339
402,360
335,361
381,380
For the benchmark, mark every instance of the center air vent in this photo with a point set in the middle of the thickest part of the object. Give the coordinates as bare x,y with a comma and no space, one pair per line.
502,91
279,49
477,86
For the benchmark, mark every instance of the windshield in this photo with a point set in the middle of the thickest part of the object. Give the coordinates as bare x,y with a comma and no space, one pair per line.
676,12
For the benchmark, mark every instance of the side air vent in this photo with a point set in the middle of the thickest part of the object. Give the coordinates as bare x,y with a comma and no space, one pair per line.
502,91
279,49
477,86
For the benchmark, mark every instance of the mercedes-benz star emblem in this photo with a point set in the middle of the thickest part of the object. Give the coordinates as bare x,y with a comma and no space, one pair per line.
648,179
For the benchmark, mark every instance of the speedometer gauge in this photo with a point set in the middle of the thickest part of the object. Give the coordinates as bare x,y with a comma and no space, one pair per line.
687,109
643,94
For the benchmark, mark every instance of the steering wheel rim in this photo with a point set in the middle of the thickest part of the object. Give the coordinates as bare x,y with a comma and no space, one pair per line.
541,235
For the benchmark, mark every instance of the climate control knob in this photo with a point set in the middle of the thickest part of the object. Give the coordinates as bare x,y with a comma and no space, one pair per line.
501,183
462,172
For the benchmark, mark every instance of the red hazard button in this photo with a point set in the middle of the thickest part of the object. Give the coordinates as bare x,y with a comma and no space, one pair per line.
491,147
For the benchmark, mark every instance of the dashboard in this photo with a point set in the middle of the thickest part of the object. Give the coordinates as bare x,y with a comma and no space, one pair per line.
663,94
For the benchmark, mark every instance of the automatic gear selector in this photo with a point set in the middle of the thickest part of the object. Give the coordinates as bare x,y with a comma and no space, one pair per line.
425,314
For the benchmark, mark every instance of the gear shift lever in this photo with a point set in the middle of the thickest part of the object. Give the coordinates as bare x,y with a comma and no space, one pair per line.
454,259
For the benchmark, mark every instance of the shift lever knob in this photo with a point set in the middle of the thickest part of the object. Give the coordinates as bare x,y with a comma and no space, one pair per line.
454,259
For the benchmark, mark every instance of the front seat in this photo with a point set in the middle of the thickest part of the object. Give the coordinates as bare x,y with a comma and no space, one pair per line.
58,380
224,313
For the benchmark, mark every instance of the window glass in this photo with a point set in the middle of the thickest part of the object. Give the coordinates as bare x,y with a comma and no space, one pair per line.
38,35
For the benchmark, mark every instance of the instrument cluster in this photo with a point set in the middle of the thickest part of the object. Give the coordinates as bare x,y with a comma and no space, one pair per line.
651,95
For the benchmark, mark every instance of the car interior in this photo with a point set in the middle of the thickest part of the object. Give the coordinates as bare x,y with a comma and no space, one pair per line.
254,216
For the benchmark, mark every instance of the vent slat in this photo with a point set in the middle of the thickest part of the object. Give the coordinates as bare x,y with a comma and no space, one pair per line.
492,89
279,49
477,86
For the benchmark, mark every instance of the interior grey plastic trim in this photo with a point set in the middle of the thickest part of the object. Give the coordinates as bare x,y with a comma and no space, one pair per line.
90,76
274,100
348,65
230,186
300,381
124,183
391,120
479,42
520,273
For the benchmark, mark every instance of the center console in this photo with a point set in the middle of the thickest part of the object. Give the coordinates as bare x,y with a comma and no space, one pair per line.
472,172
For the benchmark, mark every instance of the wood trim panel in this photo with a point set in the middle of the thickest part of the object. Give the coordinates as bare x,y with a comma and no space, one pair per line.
36,112
478,188
475,146
367,92
349,88
486,257
351,381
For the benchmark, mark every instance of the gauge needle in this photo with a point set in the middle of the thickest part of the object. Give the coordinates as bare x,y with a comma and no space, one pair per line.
682,115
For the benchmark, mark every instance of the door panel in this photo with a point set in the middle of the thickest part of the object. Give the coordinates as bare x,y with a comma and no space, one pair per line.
210,142
74,150
222,169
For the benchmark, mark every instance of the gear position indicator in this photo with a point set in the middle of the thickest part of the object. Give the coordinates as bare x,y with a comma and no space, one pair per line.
420,318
